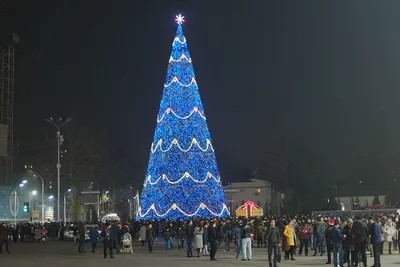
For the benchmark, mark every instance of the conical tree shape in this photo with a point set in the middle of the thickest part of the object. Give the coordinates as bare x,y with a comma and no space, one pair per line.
182,179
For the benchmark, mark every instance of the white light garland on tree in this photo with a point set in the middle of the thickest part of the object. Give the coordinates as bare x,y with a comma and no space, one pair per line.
185,175
169,111
176,80
176,143
176,207
176,39
183,56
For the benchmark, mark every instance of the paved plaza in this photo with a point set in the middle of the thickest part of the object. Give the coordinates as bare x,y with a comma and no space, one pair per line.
60,254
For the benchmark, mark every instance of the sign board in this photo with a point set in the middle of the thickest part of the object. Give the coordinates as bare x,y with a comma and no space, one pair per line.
35,214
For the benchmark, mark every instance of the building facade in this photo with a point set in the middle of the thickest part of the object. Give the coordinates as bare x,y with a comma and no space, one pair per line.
258,191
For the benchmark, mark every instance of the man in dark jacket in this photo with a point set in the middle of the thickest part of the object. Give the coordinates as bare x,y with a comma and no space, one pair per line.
246,240
376,241
360,237
212,238
227,234
81,233
189,239
274,242
237,232
328,240
3,238
107,241
337,243
115,236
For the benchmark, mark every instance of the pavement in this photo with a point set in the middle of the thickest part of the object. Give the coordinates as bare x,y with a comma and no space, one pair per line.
64,254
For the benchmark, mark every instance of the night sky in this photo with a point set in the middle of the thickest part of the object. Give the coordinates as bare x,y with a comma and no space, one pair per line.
320,76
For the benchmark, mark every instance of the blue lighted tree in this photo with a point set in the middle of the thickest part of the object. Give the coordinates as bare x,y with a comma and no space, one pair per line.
182,179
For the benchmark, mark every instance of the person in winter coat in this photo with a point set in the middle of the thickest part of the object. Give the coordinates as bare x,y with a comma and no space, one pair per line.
107,240
305,231
389,232
151,236
328,239
205,239
93,235
212,239
290,237
237,233
44,235
260,234
319,234
273,241
198,239
142,234
167,238
360,237
246,240
181,237
337,239
3,238
189,239
349,243
81,233
376,240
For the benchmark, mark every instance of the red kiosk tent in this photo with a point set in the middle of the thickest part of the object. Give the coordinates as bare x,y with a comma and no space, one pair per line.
249,209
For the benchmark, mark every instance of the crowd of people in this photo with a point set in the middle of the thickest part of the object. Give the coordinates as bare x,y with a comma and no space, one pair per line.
342,240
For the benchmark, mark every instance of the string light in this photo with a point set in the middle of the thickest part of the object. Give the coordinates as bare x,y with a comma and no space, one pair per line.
177,39
170,111
186,175
175,142
176,80
182,179
175,207
183,56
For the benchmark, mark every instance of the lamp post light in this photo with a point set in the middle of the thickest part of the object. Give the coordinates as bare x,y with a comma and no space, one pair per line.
60,139
65,204
34,174
22,184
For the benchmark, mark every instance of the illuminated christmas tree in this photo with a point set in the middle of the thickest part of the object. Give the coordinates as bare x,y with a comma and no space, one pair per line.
182,179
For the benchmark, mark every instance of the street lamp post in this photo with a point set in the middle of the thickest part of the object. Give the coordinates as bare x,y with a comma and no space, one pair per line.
58,124
65,204
34,174
15,200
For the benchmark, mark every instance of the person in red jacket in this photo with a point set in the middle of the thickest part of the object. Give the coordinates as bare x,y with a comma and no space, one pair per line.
305,231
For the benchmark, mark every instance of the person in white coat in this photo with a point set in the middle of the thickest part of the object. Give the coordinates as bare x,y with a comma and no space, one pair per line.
142,234
198,238
390,232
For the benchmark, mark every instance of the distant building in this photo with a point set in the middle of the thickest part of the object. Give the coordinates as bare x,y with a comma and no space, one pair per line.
360,202
258,191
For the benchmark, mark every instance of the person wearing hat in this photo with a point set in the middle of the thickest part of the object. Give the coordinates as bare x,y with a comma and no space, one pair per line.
328,238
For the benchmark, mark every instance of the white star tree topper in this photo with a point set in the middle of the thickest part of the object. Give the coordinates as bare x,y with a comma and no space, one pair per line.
180,19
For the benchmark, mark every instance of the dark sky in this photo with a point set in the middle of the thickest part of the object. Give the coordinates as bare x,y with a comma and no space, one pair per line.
322,75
